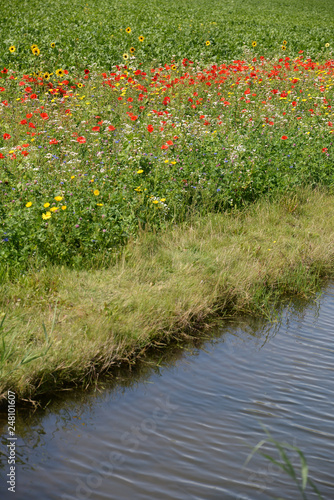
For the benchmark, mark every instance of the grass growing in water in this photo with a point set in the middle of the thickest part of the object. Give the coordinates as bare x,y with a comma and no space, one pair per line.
299,477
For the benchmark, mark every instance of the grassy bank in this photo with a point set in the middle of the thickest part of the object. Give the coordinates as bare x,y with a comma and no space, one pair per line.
164,286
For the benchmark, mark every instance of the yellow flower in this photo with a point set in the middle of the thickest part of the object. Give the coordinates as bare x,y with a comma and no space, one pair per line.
46,76
125,56
54,209
141,38
128,29
53,45
283,47
284,42
34,46
64,207
207,43
72,176
140,171
58,198
155,201
132,50
96,192
28,204
12,49
46,205
173,67
173,162
80,85
254,44
327,45
36,51
99,204
59,72
46,216
163,199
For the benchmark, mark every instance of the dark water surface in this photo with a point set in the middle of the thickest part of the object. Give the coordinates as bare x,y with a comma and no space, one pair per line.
183,428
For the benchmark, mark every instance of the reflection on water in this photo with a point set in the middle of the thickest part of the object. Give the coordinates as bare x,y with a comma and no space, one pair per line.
182,425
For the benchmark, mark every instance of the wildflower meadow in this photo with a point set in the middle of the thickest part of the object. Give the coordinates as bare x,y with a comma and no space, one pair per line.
114,119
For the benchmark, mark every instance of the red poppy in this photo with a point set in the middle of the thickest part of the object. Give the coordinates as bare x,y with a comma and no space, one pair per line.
170,143
164,146
6,136
31,125
86,71
29,115
96,129
25,145
129,99
120,98
24,153
23,122
53,141
28,89
294,103
1,155
284,137
81,139
175,137
33,96
324,150
5,103
271,123
2,89
330,124
44,116
150,128
5,71
111,127
134,118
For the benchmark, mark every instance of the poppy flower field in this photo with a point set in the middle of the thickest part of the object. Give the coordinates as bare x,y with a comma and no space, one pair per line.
120,125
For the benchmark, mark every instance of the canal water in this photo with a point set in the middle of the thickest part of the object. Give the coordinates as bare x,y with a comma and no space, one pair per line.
185,421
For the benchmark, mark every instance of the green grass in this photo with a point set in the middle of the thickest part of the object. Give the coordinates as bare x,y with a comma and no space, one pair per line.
164,286
286,455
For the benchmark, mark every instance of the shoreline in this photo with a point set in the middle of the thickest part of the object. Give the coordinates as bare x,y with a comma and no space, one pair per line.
164,286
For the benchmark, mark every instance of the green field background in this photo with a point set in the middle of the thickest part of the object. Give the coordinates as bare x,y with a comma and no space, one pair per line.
87,33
